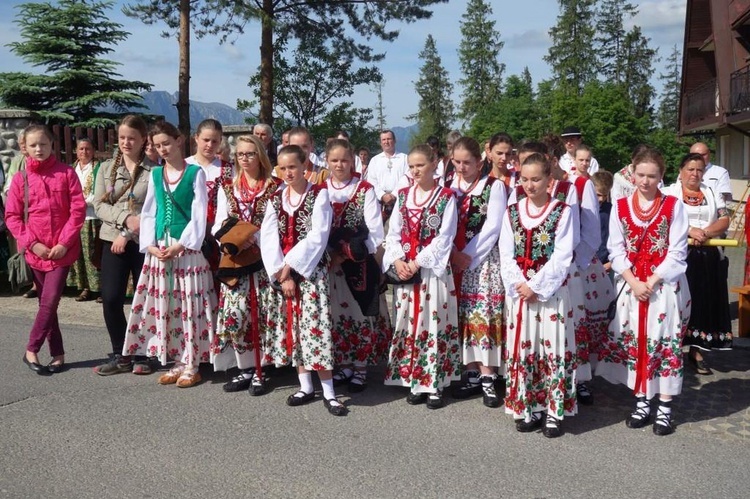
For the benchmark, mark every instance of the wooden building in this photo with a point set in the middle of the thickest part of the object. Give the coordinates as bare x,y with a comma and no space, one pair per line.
715,94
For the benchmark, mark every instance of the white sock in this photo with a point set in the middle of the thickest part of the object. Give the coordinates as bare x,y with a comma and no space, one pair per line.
247,373
347,371
642,404
472,377
305,383
665,406
328,392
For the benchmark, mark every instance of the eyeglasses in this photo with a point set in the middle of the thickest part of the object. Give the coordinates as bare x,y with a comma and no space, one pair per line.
247,155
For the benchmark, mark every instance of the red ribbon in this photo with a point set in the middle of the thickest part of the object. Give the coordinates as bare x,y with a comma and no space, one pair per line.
415,315
641,362
254,326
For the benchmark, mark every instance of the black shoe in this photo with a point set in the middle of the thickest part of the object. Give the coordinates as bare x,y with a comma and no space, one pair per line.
358,382
700,366
238,384
337,409
435,400
583,394
258,386
467,390
537,419
416,398
639,417
663,423
489,395
57,368
38,368
552,427
340,378
294,401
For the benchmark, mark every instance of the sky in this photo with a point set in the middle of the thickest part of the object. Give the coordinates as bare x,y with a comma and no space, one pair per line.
220,71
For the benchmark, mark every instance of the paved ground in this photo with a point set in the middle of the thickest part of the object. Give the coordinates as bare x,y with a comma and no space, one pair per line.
79,435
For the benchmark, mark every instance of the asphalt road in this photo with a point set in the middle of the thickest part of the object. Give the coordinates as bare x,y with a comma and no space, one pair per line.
79,435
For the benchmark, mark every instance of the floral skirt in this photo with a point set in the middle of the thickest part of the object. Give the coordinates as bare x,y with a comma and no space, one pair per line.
83,274
172,316
576,290
598,293
710,326
298,330
240,331
540,360
425,353
644,341
357,339
480,313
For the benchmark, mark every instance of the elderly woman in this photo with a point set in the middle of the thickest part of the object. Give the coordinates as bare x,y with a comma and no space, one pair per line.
709,326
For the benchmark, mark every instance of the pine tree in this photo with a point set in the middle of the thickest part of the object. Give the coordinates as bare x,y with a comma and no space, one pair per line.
610,38
69,41
481,70
669,105
572,54
512,113
435,113
638,68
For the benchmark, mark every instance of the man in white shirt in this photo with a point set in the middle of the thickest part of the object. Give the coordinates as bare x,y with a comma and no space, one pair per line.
716,177
572,138
386,169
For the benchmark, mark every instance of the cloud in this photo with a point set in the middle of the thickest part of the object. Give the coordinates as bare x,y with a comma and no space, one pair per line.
531,39
654,15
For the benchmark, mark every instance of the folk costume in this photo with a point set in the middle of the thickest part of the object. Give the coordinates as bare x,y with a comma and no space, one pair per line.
361,324
240,332
596,291
644,347
710,326
84,273
425,349
174,304
537,248
480,287
217,173
299,328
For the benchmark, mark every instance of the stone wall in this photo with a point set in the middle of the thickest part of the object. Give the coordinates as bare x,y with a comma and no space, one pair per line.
12,122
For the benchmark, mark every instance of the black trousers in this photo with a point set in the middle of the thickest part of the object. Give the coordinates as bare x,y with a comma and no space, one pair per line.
116,269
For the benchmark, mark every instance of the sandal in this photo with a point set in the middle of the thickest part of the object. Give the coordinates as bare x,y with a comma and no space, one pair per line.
641,415
489,394
663,422
342,377
523,426
358,382
186,380
84,296
552,427
257,385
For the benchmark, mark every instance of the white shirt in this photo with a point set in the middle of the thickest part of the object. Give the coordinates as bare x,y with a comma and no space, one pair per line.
568,164
674,264
436,255
195,231
83,174
551,276
384,173
306,254
480,246
591,234
704,215
212,171
717,178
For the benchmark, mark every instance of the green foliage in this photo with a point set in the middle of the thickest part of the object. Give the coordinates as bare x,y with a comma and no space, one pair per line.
609,124
572,55
669,105
672,147
435,112
353,120
610,38
478,56
638,68
512,112
68,41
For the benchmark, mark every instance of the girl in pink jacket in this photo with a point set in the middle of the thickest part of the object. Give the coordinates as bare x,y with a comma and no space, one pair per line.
50,237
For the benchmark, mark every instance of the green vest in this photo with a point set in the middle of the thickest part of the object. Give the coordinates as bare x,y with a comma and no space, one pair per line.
168,217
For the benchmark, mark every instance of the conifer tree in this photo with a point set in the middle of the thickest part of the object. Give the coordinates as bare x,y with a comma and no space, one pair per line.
638,68
481,71
571,55
68,41
610,38
435,113
669,99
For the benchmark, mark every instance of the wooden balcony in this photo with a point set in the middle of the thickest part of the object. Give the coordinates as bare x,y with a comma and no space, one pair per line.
701,105
739,91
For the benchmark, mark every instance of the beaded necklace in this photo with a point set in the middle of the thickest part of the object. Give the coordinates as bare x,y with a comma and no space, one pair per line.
429,196
648,214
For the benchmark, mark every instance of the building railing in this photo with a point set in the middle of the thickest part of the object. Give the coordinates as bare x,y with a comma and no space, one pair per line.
702,102
739,91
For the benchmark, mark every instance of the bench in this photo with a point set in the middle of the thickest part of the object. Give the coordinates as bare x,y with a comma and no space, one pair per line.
743,312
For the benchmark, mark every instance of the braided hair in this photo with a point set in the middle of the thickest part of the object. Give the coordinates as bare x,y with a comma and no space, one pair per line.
136,123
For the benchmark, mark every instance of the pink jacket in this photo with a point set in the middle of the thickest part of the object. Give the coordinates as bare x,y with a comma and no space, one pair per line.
57,210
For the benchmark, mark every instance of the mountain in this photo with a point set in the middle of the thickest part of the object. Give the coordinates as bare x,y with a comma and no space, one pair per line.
403,137
162,103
